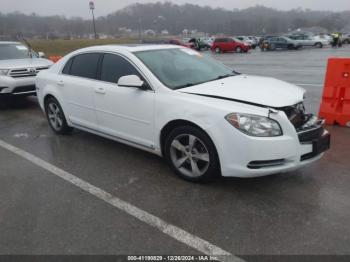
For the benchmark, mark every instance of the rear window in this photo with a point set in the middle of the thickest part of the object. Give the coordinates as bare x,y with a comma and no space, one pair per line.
85,65
221,40
66,69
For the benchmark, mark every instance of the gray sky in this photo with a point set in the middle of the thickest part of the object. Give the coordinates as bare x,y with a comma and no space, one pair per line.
103,7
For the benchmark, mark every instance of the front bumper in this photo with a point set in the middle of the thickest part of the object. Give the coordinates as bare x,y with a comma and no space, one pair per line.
247,156
17,86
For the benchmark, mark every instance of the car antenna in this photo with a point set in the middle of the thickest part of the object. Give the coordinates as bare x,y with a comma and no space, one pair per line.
29,47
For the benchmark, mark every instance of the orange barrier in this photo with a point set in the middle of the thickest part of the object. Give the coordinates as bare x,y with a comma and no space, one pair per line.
335,106
55,58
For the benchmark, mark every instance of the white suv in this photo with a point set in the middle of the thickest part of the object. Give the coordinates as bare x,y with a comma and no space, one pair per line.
204,118
19,66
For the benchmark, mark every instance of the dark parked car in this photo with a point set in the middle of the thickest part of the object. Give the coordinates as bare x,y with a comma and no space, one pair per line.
280,42
199,45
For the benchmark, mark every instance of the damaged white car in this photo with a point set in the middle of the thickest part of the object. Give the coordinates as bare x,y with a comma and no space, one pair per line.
203,118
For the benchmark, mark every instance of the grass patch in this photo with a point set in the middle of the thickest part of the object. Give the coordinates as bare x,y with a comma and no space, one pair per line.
63,47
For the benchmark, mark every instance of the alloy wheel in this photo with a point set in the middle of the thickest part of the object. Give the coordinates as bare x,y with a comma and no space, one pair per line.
55,116
189,155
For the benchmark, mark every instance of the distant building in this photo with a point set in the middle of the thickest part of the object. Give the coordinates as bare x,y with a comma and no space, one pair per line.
149,32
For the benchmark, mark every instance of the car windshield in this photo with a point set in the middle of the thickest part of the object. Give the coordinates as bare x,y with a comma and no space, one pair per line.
14,51
183,67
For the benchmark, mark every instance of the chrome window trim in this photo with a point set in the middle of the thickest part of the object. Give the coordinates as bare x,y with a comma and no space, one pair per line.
99,80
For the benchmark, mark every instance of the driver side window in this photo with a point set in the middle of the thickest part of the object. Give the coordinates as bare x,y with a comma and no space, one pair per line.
114,66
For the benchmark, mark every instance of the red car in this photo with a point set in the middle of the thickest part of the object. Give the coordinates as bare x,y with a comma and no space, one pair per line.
179,42
228,44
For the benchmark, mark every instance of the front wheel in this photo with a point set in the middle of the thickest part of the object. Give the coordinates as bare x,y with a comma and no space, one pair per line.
217,50
56,118
319,45
238,49
192,154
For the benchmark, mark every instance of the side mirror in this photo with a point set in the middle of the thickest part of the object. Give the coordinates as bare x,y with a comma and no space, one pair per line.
132,81
41,54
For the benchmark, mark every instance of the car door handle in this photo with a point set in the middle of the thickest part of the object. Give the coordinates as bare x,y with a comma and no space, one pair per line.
60,83
100,90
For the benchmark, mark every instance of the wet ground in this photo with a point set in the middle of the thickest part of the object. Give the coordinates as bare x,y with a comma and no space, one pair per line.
301,212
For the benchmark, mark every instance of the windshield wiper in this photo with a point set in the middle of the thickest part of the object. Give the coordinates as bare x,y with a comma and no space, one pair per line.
184,86
217,78
224,76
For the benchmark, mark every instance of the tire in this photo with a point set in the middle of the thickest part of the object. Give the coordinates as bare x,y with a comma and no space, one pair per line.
292,47
192,154
238,49
55,117
271,47
217,50
319,45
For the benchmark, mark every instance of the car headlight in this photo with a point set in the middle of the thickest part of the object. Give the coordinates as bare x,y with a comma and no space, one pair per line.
3,72
254,125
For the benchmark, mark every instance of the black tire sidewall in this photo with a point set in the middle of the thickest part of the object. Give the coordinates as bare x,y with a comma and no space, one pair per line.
214,165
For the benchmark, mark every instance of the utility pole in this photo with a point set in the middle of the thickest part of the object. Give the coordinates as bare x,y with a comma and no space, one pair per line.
92,7
140,29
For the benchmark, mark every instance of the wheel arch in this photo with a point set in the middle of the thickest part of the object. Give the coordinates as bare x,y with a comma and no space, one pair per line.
171,125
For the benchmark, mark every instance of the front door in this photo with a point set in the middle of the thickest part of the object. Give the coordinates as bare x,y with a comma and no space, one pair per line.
123,112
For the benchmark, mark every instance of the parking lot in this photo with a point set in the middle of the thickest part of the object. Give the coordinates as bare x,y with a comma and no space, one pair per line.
305,212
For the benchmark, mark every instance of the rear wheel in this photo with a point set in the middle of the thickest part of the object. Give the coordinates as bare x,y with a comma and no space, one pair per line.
56,118
319,45
192,154
291,47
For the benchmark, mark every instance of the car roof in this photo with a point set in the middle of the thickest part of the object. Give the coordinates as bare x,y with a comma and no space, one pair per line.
130,48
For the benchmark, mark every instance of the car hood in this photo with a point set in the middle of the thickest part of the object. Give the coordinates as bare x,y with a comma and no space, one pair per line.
250,89
24,63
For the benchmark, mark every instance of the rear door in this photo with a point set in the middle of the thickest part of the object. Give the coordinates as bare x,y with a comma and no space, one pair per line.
273,42
309,41
282,43
231,44
77,81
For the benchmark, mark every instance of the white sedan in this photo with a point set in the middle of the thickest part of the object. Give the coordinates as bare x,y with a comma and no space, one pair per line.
204,118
